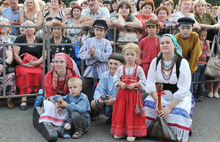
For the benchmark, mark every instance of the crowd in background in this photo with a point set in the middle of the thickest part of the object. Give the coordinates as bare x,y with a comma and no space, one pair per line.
116,13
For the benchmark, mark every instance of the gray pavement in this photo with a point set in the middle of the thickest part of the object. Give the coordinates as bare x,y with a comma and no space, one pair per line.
16,125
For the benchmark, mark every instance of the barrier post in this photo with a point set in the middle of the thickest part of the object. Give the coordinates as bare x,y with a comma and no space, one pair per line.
48,48
44,44
4,69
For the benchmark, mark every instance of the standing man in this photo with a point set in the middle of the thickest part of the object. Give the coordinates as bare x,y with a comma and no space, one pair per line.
94,12
12,13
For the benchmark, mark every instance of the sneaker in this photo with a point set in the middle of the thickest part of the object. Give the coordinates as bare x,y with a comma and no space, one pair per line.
130,139
119,137
199,99
210,95
109,120
216,95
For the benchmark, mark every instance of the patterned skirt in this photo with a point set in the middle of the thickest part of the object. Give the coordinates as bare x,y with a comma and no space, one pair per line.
9,84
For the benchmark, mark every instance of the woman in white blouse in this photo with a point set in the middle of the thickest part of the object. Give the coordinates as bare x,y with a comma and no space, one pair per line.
177,108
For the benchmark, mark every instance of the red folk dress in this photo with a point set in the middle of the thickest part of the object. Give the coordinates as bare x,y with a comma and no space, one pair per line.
124,119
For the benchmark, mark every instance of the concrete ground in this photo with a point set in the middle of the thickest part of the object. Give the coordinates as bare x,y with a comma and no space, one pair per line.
16,125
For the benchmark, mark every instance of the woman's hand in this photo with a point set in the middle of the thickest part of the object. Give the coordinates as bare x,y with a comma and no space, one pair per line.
27,65
34,63
110,102
165,112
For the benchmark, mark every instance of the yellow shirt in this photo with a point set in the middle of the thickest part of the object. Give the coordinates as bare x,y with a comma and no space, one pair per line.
191,49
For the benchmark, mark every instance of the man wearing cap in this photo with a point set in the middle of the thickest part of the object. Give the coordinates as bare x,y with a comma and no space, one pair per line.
189,42
107,5
12,13
94,12
95,51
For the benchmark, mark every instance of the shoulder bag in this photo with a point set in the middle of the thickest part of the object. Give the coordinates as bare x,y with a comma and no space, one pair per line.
213,65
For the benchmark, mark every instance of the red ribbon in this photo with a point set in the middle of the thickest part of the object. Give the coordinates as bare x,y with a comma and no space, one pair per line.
160,93
159,96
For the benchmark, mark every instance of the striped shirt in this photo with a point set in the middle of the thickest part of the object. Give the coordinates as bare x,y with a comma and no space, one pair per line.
99,60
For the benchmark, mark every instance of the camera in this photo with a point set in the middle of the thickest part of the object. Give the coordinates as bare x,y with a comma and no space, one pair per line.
104,98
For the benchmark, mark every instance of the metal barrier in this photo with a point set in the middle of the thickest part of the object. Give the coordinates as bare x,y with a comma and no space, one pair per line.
46,45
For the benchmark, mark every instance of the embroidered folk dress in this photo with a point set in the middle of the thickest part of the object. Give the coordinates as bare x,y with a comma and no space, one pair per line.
179,118
124,119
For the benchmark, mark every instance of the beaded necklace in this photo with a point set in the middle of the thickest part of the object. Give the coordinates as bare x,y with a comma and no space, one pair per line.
171,62
169,68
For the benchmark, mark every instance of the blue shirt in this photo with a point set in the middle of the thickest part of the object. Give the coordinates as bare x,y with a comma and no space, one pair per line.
76,103
9,14
105,87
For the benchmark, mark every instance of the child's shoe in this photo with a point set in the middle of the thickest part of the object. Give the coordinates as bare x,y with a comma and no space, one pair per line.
119,137
130,139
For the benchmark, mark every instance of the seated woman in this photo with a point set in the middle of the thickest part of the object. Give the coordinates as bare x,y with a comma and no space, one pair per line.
123,18
205,20
173,72
10,76
56,82
73,22
147,9
55,13
185,7
28,75
58,38
6,31
31,12
162,13
169,4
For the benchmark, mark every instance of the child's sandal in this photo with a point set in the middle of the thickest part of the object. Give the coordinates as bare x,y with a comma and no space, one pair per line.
76,135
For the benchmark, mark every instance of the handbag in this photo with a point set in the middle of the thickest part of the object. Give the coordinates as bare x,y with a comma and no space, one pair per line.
9,68
129,36
213,65
28,57
139,109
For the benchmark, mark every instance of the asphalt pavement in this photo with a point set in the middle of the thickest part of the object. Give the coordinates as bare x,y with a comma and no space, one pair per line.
16,125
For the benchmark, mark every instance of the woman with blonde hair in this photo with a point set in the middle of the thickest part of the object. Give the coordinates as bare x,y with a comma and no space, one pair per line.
6,31
42,5
31,12
28,75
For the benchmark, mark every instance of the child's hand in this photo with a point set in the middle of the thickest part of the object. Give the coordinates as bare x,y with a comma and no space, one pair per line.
123,85
131,86
92,51
100,101
60,100
64,104
110,102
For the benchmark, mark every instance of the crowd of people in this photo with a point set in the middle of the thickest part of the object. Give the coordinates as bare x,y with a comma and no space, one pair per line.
118,70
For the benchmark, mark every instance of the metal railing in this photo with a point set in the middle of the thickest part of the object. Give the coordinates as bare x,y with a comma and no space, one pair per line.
46,46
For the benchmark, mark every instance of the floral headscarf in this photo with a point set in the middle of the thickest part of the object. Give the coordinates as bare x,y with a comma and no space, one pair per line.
177,49
69,73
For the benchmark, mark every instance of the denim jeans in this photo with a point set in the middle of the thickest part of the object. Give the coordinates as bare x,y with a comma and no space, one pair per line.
199,76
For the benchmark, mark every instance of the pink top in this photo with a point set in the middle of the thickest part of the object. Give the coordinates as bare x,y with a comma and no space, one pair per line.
149,48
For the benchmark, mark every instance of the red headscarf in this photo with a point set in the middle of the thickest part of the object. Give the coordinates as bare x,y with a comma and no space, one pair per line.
51,78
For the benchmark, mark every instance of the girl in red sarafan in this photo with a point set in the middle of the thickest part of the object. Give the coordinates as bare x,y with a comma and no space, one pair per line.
127,118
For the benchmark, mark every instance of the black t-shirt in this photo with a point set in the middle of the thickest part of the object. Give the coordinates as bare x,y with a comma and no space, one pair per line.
35,50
